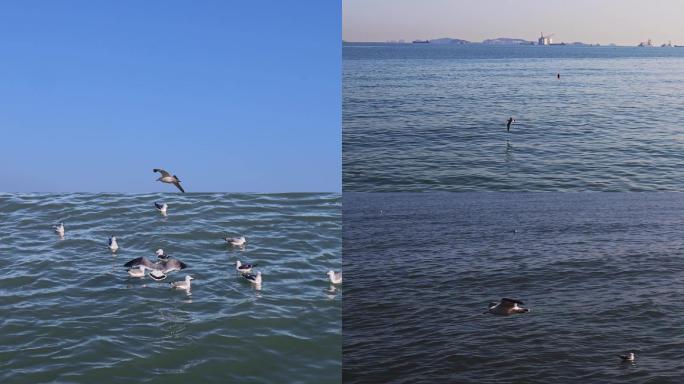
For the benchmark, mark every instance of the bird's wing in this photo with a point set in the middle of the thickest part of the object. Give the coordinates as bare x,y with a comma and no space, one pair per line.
141,261
511,301
177,184
174,265
163,172
110,241
159,206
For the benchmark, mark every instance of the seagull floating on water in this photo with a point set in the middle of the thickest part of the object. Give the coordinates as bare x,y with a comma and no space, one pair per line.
183,284
162,208
252,278
113,245
243,268
137,272
335,277
236,241
506,307
158,269
59,229
168,178
628,357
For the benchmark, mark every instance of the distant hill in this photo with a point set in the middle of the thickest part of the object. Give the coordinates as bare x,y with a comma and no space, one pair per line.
448,40
507,41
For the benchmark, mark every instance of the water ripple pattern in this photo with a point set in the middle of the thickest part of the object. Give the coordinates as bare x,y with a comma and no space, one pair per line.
433,118
601,272
71,313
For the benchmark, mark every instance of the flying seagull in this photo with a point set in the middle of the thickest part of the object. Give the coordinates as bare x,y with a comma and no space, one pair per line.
236,241
628,357
158,269
59,229
243,268
335,277
183,284
162,207
113,245
506,307
167,178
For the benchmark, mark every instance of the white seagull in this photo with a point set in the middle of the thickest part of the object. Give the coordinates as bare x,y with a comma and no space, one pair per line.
113,244
506,307
628,357
236,241
59,229
168,178
243,268
137,272
335,277
162,208
183,284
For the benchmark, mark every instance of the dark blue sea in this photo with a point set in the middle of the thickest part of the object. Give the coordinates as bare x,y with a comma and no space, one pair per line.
424,117
603,274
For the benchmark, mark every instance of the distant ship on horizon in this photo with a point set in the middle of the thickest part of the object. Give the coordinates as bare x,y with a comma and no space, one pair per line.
421,41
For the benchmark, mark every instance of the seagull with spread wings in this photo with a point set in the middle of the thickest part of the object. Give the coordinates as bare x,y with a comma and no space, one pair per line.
168,178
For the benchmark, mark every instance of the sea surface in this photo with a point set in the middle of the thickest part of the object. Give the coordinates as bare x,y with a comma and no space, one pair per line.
426,117
71,313
603,274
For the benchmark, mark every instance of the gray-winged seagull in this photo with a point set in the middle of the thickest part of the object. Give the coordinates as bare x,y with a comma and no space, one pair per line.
183,284
158,269
628,357
236,241
168,178
254,279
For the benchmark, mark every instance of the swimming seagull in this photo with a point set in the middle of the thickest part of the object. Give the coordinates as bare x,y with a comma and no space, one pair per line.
113,244
137,272
236,241
158,269
161,208
183,284
252,278
628,357
243,268
506,307
335,277
59,229
167,178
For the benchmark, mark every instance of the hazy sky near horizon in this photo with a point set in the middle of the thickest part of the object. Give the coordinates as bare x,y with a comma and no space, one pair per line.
624,22
231,96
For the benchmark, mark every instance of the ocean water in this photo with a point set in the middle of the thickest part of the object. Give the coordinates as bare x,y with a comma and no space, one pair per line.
601,272
71,314
421,117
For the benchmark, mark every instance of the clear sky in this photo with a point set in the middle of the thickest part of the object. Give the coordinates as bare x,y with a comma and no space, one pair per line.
624,22
228,95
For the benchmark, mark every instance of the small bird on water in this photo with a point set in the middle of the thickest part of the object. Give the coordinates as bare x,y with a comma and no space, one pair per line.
59,229
168,178
510,121
113,245
243,268
236,241
183,284
506,307
335,277
162,208
629,358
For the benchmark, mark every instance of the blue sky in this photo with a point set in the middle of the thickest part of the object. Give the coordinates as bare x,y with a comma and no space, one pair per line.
624,22
228,95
